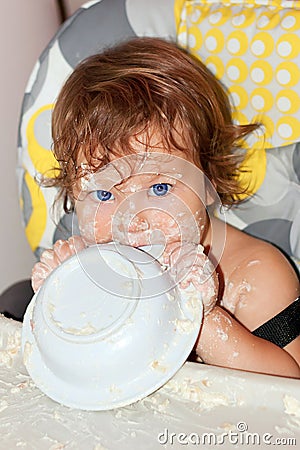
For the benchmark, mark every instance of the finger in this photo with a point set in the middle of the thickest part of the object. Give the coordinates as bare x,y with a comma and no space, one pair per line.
62,250
208,289
40,272
187,255
169,250
49,258
76,244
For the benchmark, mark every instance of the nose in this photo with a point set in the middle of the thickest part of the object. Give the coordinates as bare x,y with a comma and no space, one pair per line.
138,223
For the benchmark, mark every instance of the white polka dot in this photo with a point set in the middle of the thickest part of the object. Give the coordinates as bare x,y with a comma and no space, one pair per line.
195,15
211,43
258,102
192,41
238,20
215,18
285,131
288,22
233,72
283,104
263,21
284,49
283,76
258,47
182,38
212,68
233,45
235,98
257,75
183,14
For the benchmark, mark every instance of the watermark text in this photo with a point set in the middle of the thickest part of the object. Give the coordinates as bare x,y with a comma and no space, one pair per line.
238,436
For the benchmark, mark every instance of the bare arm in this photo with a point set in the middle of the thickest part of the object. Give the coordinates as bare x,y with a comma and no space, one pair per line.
223,341
263,285
259,284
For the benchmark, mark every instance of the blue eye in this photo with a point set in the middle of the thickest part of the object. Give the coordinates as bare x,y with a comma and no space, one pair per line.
160,189
103,196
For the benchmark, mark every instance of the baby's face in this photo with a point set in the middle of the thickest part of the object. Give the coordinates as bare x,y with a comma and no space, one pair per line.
145,198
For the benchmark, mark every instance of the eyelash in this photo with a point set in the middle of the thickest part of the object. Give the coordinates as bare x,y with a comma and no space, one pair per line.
101,195
166,186
154,191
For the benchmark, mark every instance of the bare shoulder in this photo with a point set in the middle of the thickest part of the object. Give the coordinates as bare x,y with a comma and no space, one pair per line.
259,281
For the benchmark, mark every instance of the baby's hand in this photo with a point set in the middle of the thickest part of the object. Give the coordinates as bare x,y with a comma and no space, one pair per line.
189,265
50,259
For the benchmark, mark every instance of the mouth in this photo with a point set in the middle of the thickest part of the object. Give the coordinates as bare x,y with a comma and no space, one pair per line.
136,238
148,238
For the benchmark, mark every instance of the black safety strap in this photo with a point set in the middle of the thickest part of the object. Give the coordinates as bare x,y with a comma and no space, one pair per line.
283,328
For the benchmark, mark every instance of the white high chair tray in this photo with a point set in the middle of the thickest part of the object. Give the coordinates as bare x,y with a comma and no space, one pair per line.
203,405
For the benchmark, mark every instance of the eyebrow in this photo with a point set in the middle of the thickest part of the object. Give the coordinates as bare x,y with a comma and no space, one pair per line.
117,173
146,179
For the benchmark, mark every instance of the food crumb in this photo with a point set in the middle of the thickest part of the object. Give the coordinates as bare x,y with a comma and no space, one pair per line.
283,430
99,447
292,405
156,365
206,382
3,405
58,446
222,335
226,426
118,414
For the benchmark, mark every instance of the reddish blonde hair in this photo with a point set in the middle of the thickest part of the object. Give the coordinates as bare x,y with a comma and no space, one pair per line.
113,96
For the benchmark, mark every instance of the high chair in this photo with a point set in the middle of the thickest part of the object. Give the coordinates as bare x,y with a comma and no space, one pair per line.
251,45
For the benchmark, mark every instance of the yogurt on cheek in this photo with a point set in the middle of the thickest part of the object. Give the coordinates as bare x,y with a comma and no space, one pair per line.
103,223
94,223
158,227
138,219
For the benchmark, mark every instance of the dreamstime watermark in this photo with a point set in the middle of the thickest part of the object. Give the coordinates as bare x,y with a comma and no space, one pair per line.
237,436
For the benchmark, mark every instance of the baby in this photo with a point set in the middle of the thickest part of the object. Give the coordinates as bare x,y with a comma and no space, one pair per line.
147,149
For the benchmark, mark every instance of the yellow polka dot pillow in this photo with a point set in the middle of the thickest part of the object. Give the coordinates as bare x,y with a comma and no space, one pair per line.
253,46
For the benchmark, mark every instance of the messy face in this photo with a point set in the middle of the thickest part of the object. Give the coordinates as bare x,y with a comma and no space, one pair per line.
145,198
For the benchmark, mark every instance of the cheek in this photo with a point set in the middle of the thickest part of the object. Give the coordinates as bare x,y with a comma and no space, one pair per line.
95,222
164,221
180,225
194,214
102,228
186,212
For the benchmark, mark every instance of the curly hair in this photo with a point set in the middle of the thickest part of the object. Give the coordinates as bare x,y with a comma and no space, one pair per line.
114,95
